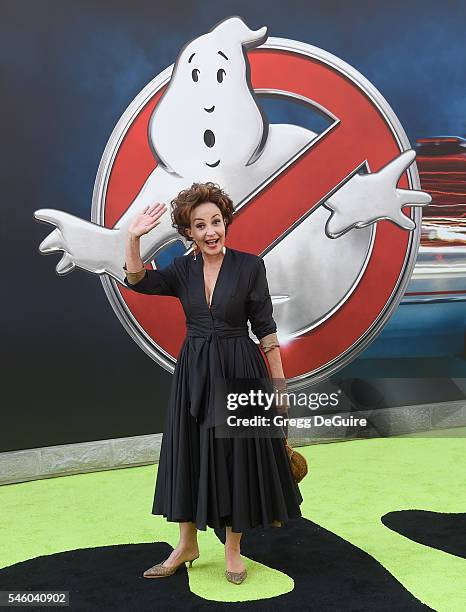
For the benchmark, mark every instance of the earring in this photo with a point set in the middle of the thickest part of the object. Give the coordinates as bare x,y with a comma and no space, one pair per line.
195,251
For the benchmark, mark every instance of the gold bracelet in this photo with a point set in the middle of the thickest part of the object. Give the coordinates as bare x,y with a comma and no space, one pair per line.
269,342
134,277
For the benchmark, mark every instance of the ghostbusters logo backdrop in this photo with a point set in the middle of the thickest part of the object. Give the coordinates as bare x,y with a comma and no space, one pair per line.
312,136
301,199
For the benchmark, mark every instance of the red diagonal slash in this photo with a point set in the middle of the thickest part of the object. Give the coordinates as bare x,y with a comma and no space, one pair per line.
313,176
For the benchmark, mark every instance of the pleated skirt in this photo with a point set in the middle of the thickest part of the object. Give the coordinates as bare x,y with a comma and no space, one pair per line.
217,482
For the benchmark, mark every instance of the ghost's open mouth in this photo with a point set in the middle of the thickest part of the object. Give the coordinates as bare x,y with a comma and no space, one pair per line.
213,165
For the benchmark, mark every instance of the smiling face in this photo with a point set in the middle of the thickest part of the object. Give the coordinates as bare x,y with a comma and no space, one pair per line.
207,228
208,123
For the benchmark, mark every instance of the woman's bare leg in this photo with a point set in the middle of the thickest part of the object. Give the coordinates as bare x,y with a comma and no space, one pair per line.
187,548
233,558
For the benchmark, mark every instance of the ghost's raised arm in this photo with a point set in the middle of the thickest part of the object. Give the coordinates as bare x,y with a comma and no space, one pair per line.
100,250
368,198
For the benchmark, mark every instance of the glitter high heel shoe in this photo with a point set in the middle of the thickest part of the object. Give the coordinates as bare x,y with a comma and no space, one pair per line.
236,577
161,571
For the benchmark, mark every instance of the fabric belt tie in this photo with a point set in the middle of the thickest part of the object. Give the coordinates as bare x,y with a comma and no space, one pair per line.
206,367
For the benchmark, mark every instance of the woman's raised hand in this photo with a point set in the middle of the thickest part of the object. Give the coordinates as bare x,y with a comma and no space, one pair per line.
147,220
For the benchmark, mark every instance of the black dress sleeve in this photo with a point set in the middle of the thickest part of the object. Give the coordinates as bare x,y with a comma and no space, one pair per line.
156,282
259,304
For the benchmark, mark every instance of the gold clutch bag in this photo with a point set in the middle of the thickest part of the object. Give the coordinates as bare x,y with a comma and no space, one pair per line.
298,463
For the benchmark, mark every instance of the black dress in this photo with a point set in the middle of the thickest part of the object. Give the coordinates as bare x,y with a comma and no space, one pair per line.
202,478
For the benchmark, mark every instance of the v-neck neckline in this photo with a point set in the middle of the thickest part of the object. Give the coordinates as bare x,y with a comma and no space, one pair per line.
209,306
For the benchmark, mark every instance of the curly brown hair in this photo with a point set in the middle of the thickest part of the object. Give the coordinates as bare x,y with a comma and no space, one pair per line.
185,202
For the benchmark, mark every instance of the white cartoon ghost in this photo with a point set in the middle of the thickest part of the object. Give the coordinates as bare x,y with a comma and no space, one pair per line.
208,126
210,106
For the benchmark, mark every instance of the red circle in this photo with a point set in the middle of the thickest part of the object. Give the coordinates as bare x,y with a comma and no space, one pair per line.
362,134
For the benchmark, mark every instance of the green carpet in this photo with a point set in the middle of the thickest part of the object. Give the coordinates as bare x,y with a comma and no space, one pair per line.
350,487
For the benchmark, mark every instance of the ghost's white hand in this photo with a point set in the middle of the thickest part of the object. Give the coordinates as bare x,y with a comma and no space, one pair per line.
367,198
101,250
85,244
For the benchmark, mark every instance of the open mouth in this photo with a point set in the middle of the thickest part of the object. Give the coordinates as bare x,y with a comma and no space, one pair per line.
213,165
212,243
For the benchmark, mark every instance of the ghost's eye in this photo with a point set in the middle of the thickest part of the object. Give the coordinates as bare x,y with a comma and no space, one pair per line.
220,74
195,74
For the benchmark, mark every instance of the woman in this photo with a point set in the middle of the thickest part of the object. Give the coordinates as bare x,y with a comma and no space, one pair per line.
203,479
